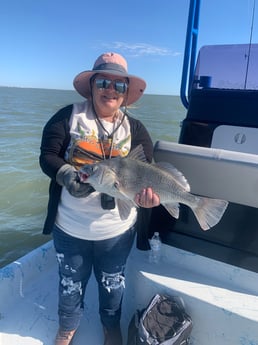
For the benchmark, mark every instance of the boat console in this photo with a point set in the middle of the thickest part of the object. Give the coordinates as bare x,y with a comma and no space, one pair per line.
217,152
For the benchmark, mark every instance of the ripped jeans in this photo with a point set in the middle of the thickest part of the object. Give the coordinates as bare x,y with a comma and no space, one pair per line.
77,258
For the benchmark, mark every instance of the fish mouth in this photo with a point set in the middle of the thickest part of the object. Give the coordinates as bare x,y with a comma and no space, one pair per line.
83,176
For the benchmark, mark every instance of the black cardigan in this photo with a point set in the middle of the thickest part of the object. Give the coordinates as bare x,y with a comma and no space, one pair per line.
56,138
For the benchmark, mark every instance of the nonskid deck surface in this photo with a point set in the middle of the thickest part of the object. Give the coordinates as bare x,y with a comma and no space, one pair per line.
214,294
28,314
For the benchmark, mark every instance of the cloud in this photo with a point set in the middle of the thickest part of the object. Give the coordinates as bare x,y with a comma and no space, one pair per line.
141,49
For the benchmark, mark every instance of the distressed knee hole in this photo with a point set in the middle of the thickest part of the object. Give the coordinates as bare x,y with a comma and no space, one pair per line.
113,281
70,287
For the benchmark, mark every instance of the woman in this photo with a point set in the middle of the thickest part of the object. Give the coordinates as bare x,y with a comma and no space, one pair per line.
87,230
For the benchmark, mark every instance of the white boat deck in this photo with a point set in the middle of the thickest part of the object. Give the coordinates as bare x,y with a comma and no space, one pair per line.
29,302
221,299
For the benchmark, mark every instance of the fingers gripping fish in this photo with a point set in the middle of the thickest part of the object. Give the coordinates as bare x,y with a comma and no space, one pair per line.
124,177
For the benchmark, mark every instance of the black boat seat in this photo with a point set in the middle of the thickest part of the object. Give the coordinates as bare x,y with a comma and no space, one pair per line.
211,108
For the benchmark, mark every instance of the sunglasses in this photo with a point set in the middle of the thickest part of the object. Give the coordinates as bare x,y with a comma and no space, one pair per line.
119,86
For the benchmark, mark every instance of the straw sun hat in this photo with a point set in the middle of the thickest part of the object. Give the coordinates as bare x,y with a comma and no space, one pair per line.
114,64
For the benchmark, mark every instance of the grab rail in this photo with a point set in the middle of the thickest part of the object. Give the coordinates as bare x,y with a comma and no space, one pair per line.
190,51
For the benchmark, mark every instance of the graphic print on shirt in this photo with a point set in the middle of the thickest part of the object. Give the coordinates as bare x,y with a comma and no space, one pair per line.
90,145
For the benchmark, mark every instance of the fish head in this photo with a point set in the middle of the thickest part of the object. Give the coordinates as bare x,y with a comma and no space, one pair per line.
100,176
87,171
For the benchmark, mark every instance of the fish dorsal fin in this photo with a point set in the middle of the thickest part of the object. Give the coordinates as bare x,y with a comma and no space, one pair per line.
138,154
175,173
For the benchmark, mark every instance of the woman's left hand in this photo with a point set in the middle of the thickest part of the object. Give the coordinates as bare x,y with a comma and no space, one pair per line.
147,198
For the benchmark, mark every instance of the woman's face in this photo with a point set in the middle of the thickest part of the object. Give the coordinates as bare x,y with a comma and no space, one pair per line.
108,93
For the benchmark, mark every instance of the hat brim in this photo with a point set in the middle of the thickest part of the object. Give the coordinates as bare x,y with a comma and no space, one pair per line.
136,87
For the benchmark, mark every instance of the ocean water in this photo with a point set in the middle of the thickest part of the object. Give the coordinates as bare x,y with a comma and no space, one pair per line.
24,188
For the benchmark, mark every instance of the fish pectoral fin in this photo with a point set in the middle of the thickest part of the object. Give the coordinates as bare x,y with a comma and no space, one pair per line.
173,209
124,208
125,196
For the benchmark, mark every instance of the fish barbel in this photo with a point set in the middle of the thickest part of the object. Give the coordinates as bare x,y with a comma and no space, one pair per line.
124,177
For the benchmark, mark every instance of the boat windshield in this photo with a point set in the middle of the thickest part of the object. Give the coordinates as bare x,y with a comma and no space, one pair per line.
227,67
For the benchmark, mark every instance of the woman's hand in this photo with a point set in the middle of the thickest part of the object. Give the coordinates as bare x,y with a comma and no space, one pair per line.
67,176
147,198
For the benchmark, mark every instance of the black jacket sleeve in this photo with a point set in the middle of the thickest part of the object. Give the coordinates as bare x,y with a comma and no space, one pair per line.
140,135
55,139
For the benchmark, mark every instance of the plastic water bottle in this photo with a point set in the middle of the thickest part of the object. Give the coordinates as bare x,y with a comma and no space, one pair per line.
155,252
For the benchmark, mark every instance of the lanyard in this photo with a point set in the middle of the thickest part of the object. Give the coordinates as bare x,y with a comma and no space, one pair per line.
109,135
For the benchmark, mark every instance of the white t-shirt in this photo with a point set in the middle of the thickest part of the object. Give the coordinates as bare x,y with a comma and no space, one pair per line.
84,217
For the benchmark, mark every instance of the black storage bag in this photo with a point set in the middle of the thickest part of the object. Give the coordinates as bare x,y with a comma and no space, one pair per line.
163,322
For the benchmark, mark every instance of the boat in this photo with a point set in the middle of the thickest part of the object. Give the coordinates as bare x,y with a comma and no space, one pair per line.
214,272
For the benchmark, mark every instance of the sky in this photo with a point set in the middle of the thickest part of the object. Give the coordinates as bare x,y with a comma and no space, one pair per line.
46,43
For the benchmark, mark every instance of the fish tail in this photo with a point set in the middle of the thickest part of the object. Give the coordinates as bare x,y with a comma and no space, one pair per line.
209,211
